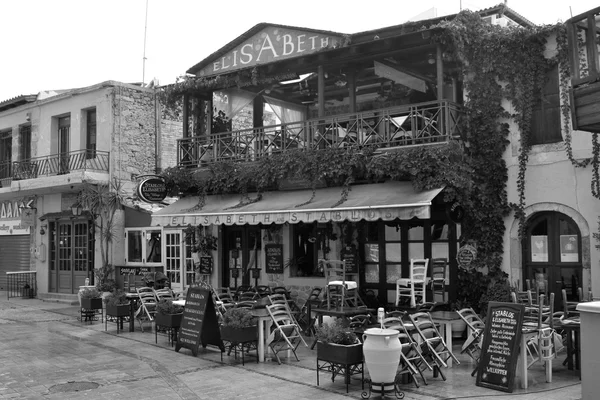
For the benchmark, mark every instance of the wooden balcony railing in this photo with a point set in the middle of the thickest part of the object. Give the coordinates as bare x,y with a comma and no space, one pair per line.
409,125
56,164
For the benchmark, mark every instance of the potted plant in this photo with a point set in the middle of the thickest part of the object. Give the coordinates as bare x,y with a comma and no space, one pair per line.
104,281
239,326
168,315
338,344
90,299
117,304
498,290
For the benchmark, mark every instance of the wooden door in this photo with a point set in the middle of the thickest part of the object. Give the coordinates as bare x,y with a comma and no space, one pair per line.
65,257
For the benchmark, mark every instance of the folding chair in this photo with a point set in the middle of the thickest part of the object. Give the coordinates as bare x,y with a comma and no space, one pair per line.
306,321
285,333
147,307
432,346
248,296
475,328
281,299
263,290
414,286
164,293
412,361
358,324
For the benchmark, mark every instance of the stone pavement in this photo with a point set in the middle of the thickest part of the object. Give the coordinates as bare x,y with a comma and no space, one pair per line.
45,353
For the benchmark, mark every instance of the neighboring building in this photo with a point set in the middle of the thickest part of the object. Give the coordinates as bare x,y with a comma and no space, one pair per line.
51,145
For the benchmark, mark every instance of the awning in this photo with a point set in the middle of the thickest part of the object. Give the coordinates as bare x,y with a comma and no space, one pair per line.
386,201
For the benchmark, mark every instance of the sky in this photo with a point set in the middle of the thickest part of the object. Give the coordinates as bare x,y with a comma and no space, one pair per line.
66,44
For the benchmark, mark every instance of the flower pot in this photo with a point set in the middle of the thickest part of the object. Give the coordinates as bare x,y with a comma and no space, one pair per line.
339,353
239,335
122,310
382,349
91,303
168,320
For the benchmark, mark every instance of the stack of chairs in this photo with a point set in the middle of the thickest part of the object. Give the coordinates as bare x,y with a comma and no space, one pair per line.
475,328
285,332
432,344
412,362
147,308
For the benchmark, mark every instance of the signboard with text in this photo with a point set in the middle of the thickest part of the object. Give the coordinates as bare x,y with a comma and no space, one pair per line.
199,324
500,347
274,258
350,256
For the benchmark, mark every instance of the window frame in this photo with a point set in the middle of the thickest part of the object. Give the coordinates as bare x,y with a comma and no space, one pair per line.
143,232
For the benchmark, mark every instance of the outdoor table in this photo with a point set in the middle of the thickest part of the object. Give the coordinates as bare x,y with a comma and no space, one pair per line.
445,319
264,324
133,302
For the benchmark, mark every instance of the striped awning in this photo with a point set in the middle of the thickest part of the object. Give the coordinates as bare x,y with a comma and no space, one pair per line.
386,201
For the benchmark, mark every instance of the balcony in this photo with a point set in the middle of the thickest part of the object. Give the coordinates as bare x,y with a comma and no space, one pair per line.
584,38
421,124
55,164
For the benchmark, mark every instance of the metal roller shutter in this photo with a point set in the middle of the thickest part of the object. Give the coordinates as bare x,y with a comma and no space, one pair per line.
14,255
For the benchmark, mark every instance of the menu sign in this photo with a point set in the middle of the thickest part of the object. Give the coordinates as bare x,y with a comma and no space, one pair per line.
199,322
351,260
205,266
274,257
500,348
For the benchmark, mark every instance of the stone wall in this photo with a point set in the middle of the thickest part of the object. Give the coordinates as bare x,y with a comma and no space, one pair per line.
135,138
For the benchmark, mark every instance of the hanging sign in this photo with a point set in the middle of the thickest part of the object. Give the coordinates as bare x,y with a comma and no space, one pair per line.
274,258
500,348
152,189
455,212
466,255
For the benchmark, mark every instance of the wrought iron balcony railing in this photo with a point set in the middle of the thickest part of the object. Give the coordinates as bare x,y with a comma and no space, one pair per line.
408,125
56,164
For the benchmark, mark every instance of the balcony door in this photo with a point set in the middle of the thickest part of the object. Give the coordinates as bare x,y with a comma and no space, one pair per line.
64,134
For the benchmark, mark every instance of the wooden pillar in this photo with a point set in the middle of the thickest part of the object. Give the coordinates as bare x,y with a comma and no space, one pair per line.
440,73
321,90
185,115
351,77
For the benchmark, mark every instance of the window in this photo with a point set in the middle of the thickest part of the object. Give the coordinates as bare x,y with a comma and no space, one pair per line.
91,134
545,118
5,153
311,241
143,246
24,142
64,134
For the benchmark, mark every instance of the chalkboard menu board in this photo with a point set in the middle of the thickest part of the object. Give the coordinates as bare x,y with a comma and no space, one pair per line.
350,256
500,348
199,323
274,257
206,265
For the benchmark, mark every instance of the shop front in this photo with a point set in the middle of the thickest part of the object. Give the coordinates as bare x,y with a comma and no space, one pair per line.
278,238
15,254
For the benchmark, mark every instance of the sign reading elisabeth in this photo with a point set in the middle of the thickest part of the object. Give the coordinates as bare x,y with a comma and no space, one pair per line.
152,189
273,43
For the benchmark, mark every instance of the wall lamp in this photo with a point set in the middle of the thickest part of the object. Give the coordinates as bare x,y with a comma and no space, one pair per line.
43,229
431,58
76,209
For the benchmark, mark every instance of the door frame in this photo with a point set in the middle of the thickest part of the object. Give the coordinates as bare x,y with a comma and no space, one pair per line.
553,267
244,233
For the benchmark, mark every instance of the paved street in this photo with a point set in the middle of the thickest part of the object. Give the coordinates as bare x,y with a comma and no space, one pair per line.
45,353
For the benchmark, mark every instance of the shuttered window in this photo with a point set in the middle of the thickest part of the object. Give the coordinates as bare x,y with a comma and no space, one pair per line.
545,119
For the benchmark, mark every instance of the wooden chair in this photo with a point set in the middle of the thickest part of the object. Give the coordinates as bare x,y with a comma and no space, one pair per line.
339,290
569,307
263,290
414,286
412,362
285,332
438,278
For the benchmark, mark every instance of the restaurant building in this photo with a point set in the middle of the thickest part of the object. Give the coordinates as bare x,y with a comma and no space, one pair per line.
389,89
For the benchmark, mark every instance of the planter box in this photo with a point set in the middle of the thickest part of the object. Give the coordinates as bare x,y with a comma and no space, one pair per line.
239,335
168,320
92,304
117,311
340,354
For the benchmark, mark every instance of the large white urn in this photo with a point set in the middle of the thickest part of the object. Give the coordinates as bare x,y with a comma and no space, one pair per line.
382,349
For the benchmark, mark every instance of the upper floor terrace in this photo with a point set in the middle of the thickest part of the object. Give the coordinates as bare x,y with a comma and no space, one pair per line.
420,124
